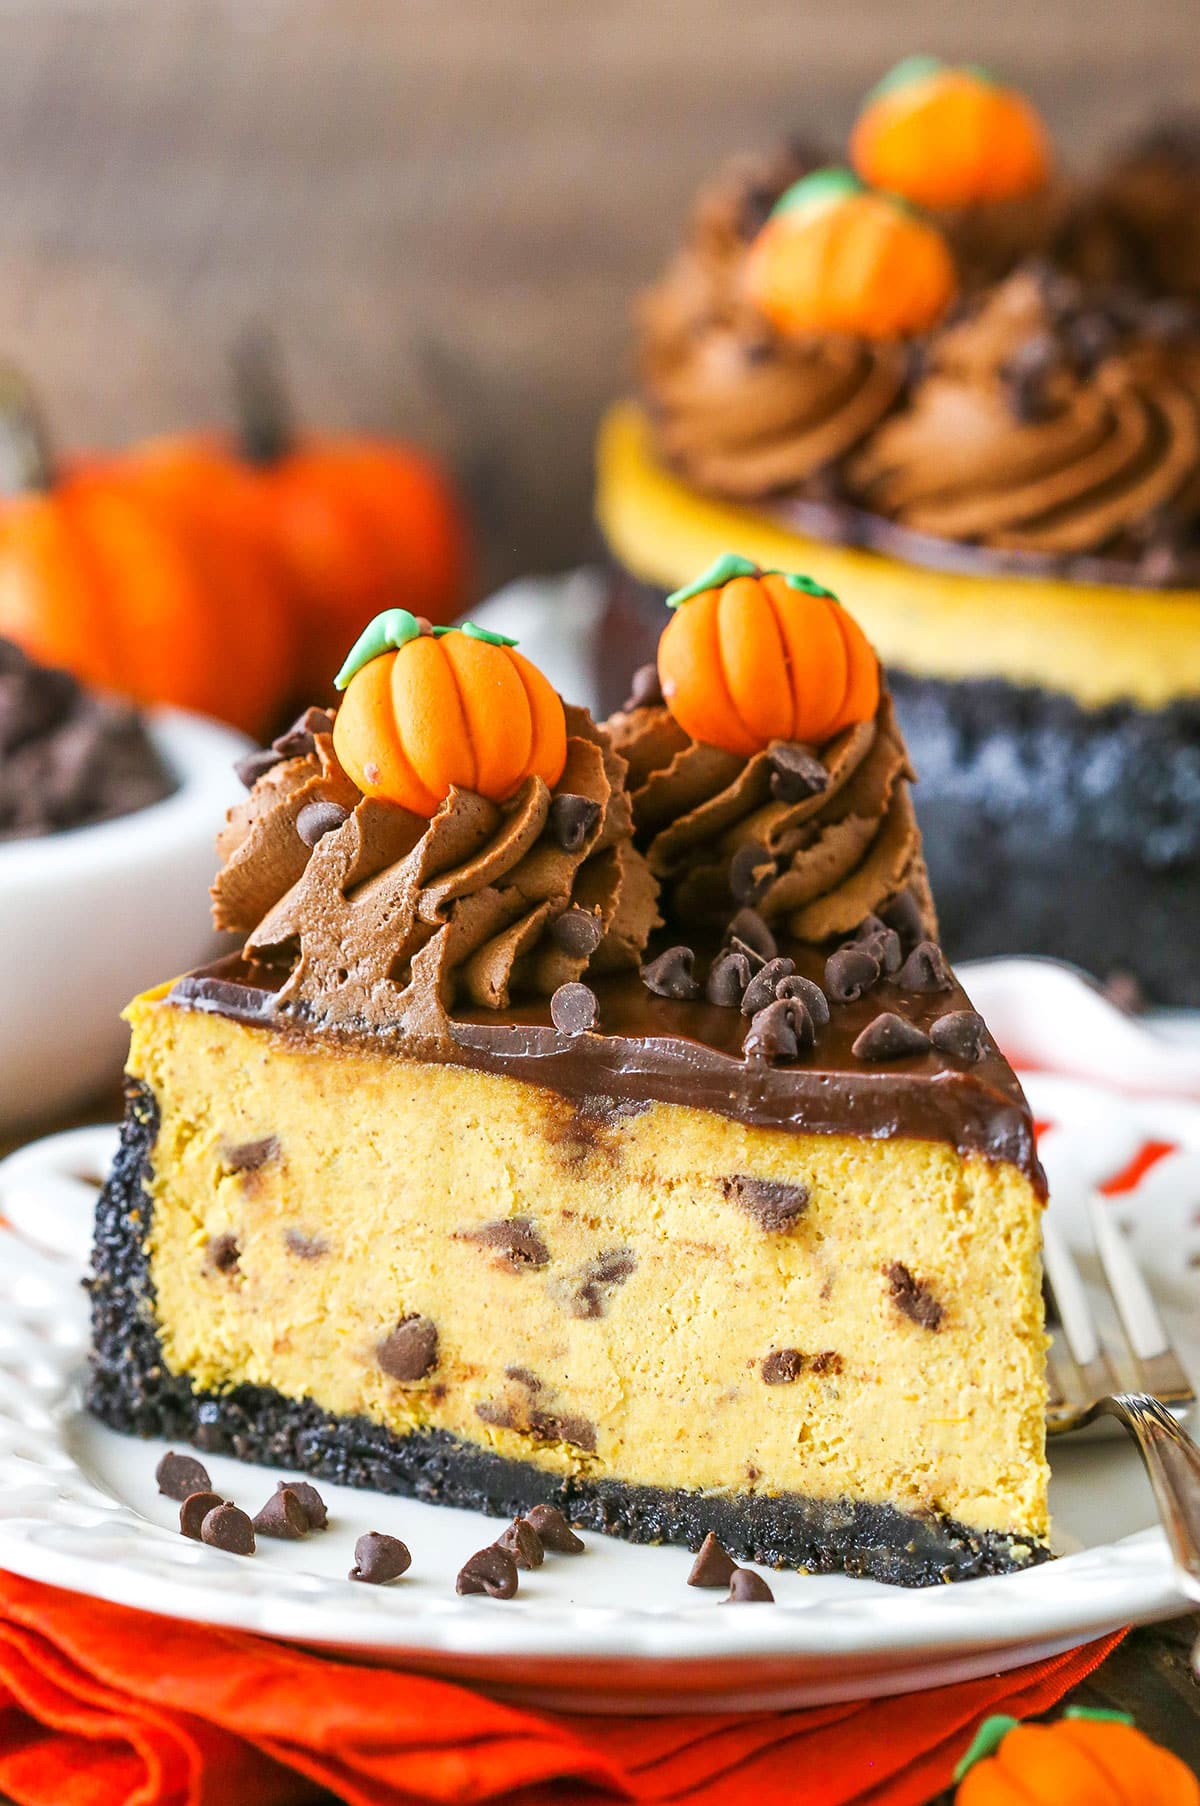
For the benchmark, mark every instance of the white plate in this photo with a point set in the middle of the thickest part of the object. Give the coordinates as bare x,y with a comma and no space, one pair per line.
617,1628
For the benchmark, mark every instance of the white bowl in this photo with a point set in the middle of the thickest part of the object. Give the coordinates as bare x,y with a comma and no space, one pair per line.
91,916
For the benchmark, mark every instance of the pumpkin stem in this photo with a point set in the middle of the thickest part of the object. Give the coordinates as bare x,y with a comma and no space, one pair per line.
266,422
26,464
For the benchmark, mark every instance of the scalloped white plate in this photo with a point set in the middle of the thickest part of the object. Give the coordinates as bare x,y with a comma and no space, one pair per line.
617,1628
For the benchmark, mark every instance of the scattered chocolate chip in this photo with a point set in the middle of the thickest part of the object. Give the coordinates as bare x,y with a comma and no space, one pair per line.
379,1558
283,1516
925,969
962,1034
881,942
309,1501
316,820
751,871
1027,373
782,1367
905,915
913,1296
305,1247
890,1037
749,928
523,1543
578,932
713,1566
227,1528
500,1416
492,1571
252,765
586,1293
554,1530
728,977
195,1509
670,975
796,772
411,1351
516,1239
828,1361
762,988
300,739
525,1378
551,1426
179,1476
850,973
248,1156
772,1034
748,1588
573,1009
573,820
645,691
773,1203
223,1254
809,993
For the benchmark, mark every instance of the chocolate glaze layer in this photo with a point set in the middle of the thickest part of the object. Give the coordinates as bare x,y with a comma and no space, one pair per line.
649,1047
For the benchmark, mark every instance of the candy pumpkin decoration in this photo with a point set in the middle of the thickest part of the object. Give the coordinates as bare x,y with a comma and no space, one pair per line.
836,257
426,708
134,585
947,137
753,656
1083,1759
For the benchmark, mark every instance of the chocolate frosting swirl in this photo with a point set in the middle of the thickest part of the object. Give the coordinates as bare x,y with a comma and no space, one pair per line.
391,920
718,833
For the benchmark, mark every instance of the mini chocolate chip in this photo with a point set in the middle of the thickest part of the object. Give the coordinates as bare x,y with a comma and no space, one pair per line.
670,975
305,1247
913,1296
248,1156
411,1351
516,1239
309,1501
881,942
796,772
492,1571
299,739
573,1009
890,1037
762,987
906,916
194,1510
525,1378
549,1426
782,1367
728,977
223,1254
284,1516
809,993
523,1543
962,1034
828,1361
772,1035
316,820
713,1566
179,1476
379,1558
749,928
578,932
252,765
850,973
227,1528
586,1293
554,1530
751,871
925,969
573,820
645,691
748,1588
775,1204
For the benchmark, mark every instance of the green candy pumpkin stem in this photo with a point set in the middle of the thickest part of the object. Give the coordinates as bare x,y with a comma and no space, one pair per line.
729,565
395,628
26,461
994,1730
266,418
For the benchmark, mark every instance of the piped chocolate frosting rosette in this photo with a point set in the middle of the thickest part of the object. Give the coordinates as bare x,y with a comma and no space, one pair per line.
453,836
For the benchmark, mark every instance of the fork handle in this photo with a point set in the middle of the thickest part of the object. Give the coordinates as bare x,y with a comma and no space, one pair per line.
1172,1461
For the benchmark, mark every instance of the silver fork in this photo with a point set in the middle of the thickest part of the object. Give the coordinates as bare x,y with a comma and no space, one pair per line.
1141,1385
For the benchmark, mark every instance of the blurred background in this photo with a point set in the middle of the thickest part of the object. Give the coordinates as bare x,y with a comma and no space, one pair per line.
443,209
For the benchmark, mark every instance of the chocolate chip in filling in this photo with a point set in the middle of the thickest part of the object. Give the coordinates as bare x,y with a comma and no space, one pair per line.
782,1367
913,1296
515,1239
774,1204
411,1351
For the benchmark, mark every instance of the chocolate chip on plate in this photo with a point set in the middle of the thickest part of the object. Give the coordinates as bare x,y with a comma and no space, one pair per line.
228,1528
728,977
523,1543
763,987
925,969
316,820
713,1566
379,1558
751,930
645,691
850,973
573,820
670,975
179,1476
962,1034
573,1009
796,772
283,1516
554,1530
890,1037
748,1588
309,1500
578,932
195,1509
492,1571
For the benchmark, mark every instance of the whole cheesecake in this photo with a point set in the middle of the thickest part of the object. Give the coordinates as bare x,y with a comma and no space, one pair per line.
1011,495
590,1118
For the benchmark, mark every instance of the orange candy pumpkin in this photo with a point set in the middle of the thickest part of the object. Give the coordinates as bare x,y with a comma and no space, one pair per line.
835,257
949,137
753,656
426,710
1083,1759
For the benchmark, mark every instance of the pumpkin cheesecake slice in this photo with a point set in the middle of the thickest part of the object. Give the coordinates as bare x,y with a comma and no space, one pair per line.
590,1117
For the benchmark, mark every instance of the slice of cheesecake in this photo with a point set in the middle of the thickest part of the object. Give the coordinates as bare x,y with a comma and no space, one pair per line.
471,1178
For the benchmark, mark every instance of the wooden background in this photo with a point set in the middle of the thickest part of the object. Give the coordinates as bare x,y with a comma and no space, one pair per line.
443,205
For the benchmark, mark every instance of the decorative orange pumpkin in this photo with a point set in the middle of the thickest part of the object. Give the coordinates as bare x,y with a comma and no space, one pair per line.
136,585
836,257
753,656
427,708
1083,1759
949,137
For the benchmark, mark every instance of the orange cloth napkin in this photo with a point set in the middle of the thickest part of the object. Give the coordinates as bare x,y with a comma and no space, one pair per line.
101,1706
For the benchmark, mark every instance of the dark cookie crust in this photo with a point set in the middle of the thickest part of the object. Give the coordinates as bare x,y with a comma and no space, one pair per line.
131,1390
